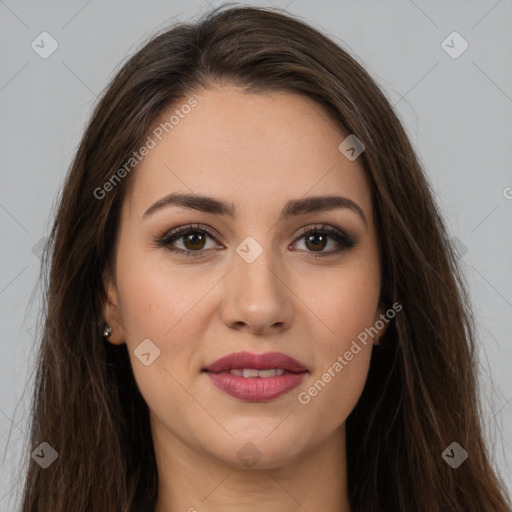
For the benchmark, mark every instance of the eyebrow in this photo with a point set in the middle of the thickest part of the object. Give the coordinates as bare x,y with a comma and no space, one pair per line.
293,207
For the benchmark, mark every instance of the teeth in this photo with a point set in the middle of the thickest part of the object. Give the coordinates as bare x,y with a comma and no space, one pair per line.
252,372
267,373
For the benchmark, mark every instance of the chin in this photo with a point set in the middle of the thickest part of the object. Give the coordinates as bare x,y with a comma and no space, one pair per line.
261,451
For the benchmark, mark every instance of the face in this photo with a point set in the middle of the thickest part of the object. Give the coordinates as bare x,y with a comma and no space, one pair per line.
255,277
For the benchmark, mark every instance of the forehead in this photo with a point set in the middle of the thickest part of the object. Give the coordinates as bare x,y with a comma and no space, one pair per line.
255,150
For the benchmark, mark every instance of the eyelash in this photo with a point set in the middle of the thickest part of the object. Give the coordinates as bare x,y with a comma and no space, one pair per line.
345,241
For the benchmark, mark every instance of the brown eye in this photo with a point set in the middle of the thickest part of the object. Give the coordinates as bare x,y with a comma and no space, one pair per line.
194,241
316,239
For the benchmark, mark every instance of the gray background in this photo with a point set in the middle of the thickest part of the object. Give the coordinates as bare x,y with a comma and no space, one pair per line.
457,111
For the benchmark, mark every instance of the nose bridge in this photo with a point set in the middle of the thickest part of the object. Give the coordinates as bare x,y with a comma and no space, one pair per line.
256,269
256,293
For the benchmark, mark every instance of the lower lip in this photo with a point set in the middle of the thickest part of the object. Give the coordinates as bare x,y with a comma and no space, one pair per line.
256,389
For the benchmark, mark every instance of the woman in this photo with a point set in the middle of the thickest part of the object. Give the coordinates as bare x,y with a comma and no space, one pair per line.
252,300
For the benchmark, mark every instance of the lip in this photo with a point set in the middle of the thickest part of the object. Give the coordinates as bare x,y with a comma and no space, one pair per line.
256,389
265,361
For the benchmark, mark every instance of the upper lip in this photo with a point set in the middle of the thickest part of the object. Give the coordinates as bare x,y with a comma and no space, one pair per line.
265,361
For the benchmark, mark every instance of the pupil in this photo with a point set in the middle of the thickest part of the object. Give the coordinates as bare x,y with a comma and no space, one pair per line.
314,236
194,239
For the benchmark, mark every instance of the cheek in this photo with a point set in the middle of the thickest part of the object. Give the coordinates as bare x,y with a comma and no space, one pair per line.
342,303
153,310
156,297
153,307
339,376
342,308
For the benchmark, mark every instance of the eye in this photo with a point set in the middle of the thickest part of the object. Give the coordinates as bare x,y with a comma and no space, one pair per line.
193,239
317,238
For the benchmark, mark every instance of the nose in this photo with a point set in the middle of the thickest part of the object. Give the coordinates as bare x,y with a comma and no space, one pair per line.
257,296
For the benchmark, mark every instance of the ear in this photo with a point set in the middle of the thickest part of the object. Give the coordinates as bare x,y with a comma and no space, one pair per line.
381,324
111,312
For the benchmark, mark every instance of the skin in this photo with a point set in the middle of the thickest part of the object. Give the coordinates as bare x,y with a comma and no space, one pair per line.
198,309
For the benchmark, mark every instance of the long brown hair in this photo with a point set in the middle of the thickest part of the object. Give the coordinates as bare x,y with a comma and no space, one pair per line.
421,393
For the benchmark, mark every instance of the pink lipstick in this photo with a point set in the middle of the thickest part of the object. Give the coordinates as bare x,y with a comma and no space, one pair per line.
256,377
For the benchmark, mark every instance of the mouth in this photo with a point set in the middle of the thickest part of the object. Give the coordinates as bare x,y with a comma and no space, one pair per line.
250,362
251,373
256,377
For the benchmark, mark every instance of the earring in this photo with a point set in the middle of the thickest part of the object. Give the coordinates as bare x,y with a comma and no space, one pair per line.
107,331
